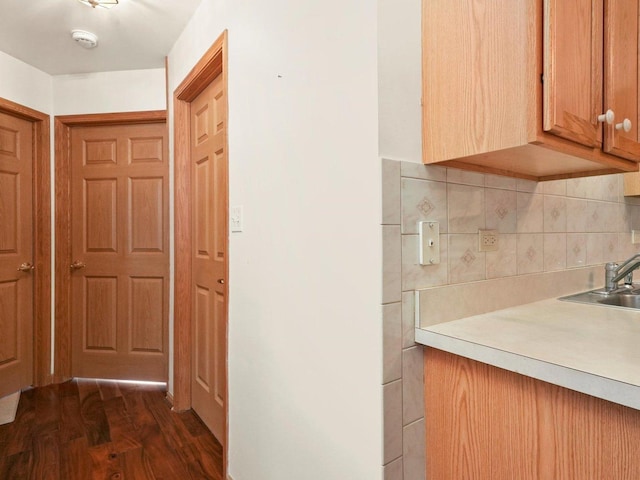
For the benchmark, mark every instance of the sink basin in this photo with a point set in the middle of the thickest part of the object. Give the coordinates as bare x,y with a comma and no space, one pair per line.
624,299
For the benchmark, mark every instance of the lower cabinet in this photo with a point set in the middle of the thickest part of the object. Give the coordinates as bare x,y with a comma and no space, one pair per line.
483,422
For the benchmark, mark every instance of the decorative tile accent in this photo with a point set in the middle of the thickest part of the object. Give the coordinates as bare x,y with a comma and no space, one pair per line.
414,451
502,263
555,187
391,342
576,250
595,248
391,264
465,208
577,215
392,400
465,177
408,319
611,249
423,200
530,248
555,214
500,211
555,251
416,276
530,213
577,187
424,172
466,264
390,192
412,385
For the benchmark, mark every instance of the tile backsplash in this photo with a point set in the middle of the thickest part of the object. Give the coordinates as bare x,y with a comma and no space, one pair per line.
556,226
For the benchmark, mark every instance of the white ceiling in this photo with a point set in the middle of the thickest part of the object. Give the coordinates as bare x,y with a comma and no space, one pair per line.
136,34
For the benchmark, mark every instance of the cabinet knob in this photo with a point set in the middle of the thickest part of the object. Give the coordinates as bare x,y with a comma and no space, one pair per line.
625,125
608,117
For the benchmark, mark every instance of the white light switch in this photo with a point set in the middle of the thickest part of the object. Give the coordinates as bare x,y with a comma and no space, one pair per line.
235,218
429,243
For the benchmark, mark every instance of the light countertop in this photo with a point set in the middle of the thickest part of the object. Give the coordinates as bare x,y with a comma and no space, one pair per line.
592,349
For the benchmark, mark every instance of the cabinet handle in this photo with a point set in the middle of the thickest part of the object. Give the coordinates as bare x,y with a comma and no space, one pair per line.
625,125
608,117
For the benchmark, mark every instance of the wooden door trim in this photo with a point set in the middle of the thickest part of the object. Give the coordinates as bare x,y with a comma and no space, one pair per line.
63,126
41,236
212,64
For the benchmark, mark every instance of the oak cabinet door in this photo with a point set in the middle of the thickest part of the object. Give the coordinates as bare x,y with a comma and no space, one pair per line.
573,43
621,78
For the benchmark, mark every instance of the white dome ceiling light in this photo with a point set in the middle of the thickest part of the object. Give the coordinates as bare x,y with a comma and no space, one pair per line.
85,39
100,3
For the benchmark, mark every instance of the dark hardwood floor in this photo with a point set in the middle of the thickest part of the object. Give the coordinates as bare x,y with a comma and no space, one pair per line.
86,430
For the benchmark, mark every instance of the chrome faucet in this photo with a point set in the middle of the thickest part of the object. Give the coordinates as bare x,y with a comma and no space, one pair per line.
614,273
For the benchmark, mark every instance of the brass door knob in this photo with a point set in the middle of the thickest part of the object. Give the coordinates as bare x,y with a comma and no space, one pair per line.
26,267
221,281
77,265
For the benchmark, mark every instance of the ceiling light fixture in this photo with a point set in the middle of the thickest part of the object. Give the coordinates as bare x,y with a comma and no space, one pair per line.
100,3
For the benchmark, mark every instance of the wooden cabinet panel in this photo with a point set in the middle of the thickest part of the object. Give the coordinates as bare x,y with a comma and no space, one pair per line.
621,77
486,423
573,69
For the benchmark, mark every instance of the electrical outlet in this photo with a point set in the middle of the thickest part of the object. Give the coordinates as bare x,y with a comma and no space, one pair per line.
235,218
488,240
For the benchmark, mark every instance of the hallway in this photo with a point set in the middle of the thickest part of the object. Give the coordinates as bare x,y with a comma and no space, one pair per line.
86,429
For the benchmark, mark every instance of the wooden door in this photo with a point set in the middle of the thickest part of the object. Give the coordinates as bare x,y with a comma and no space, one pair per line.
119,249
621,77
209,262
16,254
573,69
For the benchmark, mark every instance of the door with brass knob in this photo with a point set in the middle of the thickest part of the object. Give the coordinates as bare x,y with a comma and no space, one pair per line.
16,248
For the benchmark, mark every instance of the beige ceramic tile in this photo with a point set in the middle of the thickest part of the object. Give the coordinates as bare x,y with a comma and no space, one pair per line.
555,214
612,187
500,210
577,215
393,470
412,385
414,451
466,263
576,250
498,181
391,342
465,177
530,213
595,248
466,208
577,187
555,251
424,172
423,200
555,187
503,263
611,249
414,275
390,192
391,264
392,399
528,186
625,248
530,253
408,319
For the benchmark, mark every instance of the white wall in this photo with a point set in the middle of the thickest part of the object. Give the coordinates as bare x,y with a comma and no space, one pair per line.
305,275
400,79
24,84
109,92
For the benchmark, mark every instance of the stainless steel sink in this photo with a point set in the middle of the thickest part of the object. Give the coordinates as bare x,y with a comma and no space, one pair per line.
625,299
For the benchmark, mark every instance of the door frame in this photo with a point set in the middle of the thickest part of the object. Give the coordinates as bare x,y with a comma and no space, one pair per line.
212,64
63,126
41,236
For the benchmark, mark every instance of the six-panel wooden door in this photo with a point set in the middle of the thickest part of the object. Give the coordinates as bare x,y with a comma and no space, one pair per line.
16,254
120,252
209,206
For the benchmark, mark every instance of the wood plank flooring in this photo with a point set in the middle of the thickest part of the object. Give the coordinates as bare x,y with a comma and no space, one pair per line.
94,430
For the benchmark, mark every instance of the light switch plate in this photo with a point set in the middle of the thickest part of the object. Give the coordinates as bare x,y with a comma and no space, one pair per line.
635,237
429,243
235,218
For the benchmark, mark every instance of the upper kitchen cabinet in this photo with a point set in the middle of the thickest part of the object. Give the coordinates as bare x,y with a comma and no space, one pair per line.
522,88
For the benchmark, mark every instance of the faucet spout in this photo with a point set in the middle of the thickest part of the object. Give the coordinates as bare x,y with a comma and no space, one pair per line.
614,272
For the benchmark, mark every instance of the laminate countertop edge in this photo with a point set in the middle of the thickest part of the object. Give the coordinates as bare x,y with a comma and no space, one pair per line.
599,385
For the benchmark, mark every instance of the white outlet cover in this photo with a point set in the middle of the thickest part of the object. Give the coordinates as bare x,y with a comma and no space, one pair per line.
236,218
